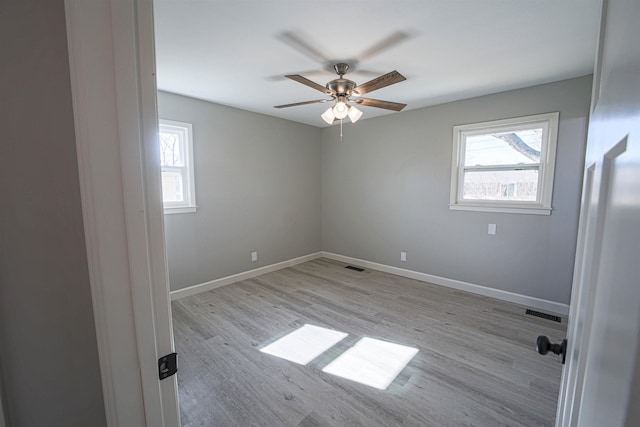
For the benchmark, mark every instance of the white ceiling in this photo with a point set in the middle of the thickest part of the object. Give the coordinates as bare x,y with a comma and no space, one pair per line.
236,52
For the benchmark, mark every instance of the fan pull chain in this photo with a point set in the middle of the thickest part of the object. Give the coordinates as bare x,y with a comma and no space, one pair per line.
340,130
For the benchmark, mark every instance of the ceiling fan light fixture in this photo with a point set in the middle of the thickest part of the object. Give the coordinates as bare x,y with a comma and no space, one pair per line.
341,109
354,114
328,116
341,89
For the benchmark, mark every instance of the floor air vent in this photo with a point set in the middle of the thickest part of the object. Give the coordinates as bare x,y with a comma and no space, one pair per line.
351,267
544,315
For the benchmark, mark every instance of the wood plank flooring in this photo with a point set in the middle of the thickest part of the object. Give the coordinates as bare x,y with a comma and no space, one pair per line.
476,365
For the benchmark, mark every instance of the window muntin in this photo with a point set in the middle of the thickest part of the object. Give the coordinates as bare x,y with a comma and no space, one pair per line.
505,165
176,162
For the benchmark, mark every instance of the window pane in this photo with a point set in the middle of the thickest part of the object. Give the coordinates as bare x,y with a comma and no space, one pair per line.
513,185
172,188
504,148
171,149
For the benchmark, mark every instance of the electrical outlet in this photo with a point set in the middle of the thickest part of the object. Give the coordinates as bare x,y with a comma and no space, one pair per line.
403,256
492,229
254,256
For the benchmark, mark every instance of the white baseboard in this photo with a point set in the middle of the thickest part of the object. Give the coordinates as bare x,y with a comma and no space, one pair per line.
224,281
533,302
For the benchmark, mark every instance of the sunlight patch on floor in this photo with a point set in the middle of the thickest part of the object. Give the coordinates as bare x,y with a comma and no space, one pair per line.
372,362
304,344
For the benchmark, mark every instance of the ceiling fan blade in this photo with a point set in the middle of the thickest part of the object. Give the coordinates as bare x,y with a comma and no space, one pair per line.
302,103
296,41
387,105
384,44
380,82
280,77
305,81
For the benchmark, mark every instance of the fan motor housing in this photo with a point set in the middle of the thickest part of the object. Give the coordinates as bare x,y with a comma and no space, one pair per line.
341,87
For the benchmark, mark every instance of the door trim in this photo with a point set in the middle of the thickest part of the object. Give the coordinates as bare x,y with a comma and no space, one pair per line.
111,56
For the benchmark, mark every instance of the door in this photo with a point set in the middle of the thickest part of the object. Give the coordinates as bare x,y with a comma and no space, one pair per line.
602,374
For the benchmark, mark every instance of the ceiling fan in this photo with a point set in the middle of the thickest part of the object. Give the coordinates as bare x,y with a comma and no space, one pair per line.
341,91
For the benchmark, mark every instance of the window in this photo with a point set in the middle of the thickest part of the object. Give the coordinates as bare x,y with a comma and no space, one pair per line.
505,165
176,162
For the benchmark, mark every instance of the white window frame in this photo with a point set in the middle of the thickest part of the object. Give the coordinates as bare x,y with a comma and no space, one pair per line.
542,204
188,175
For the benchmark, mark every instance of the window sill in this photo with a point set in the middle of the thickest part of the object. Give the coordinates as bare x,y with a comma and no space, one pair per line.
184,209
529,210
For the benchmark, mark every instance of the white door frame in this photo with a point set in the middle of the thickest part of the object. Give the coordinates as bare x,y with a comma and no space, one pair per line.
112,62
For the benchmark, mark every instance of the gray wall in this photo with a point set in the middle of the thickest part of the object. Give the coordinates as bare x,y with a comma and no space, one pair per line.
385,189
48,345
257,189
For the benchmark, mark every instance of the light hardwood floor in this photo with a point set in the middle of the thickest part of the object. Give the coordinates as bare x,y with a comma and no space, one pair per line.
476,365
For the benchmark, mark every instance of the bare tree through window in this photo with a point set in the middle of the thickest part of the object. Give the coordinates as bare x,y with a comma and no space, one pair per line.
176,161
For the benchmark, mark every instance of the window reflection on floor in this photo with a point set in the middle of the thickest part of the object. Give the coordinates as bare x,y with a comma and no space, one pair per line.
370,361
304,344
